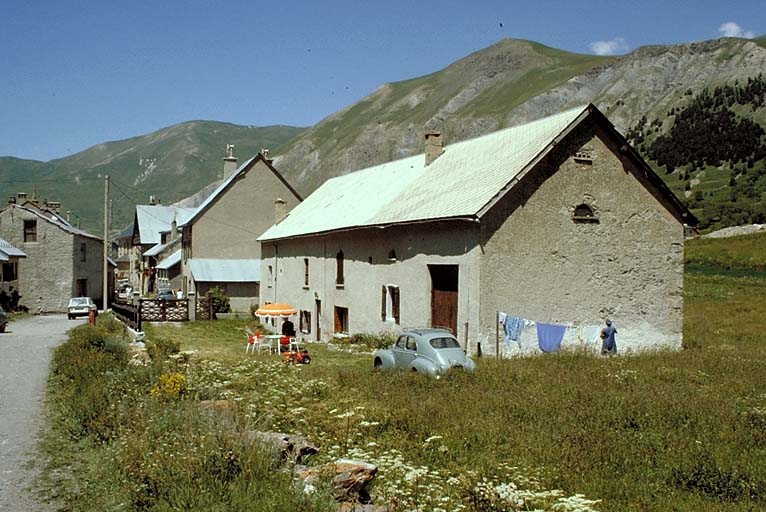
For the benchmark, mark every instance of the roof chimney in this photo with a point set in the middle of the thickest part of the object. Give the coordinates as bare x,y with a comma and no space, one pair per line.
21,197
54,206
11,199
280,210
229,162
265,152
434,146
152,200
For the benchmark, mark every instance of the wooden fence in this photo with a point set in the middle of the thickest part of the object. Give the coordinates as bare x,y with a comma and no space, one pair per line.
154,310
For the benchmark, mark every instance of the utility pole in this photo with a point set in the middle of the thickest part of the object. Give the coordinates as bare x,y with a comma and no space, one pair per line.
105,289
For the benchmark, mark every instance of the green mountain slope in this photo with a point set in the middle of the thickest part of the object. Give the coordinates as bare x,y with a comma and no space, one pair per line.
171,163
516,81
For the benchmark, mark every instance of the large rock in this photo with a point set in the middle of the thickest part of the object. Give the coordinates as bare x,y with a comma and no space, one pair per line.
349,478
288,447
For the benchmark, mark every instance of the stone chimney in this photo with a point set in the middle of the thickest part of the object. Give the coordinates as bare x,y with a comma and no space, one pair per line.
266,155
434,146
173,229
54,206
280,210
11,199
21,197
152,200
229,162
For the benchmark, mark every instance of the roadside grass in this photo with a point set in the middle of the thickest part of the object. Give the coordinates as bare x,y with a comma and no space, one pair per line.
569,431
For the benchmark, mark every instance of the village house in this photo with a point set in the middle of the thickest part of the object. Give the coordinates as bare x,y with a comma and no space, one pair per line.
219,240
9,273
558,221
155,226
62,261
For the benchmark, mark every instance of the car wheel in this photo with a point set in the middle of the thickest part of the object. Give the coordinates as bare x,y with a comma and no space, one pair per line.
2,328
306,360
378,364
414,370
70,317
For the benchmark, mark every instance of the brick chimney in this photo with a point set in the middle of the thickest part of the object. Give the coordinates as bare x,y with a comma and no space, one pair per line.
434,146
229,162
280,210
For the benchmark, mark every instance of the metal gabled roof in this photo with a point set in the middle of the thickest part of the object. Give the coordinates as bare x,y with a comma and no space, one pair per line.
225,271
156,249
153,219
8,251
171,261
462,181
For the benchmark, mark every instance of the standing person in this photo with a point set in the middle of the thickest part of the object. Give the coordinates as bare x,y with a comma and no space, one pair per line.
14,299
608,343
5,301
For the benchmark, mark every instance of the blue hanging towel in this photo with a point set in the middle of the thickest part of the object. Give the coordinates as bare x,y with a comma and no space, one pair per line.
513,326
549,336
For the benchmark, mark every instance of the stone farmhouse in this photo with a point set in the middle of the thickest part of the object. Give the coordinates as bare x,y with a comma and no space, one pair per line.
219,239
62,261
558,220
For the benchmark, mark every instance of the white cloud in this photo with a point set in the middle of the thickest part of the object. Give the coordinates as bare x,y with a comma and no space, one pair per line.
616,45
731,29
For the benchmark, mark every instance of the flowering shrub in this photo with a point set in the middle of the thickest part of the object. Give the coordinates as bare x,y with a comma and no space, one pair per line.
170,385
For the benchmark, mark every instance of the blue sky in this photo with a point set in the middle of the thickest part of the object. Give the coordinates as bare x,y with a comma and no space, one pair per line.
77,73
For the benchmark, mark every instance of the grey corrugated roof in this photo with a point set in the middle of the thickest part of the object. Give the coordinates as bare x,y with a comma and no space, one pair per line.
155,250
459,183
9,250
125,233
225,271
170,261
152,219
122,259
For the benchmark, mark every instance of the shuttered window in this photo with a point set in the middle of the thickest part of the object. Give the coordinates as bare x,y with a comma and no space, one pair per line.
395,303
383,304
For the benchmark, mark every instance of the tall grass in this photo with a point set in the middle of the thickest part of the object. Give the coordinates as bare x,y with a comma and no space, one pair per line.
656,431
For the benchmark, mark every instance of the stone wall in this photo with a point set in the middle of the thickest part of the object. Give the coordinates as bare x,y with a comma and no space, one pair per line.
90,267
541,264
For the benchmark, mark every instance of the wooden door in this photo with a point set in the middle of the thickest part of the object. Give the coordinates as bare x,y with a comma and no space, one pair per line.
444,296
319,319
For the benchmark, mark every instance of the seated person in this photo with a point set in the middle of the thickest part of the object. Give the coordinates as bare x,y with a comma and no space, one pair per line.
288,329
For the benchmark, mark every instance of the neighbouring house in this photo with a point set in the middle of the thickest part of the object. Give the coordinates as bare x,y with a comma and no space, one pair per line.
9,271
62,261
154,227
219,240
125,256
557,221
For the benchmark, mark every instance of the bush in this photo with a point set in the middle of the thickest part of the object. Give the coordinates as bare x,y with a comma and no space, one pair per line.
220,300
373,341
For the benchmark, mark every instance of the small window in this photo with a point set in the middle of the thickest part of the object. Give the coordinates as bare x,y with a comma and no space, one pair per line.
411,344
401,342
341,320
30,231
9,271
270,281
584,156
392,255
305,272
83,251
584,213
339,277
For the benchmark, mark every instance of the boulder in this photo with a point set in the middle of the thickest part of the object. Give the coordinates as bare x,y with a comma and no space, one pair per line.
349,479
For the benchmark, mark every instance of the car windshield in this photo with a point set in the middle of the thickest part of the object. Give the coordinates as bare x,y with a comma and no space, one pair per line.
444,343
79,301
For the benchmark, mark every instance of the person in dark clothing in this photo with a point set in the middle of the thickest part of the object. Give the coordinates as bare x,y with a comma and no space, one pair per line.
14,299
5,301
288,329
608,343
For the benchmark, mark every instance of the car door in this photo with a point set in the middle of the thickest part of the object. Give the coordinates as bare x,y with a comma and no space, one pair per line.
405,351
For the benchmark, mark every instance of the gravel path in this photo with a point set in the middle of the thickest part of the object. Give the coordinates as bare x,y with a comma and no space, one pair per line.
25,353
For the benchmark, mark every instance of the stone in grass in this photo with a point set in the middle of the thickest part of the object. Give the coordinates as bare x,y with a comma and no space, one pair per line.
288,447
349,479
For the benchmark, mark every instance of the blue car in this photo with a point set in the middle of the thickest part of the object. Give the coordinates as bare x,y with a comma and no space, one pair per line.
430,351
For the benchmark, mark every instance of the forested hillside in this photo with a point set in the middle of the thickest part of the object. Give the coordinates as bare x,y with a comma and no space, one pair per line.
712,151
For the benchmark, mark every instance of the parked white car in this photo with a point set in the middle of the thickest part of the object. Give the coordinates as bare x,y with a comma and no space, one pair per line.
80,306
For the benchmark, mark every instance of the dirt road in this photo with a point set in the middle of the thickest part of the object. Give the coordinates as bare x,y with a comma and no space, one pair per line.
25,352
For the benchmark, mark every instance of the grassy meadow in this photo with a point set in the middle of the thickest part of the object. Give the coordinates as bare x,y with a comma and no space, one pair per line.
569,431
